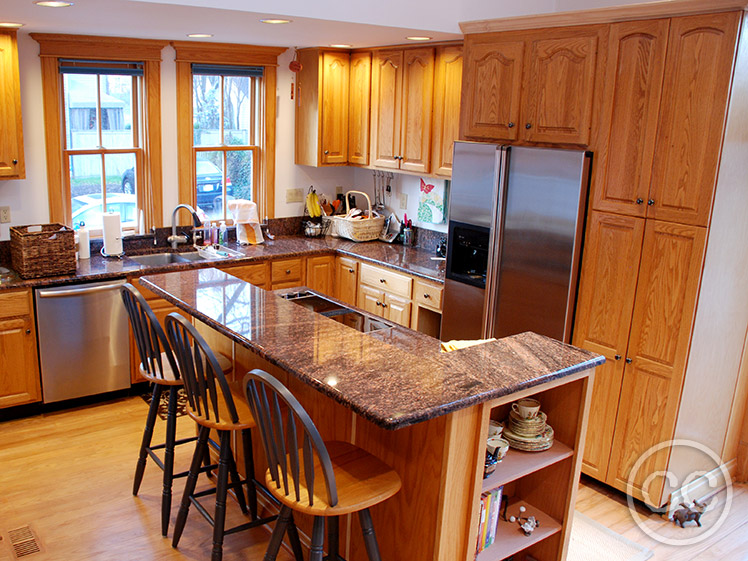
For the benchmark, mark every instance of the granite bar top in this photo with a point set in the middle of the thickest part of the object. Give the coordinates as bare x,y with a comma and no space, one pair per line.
394,377
407,259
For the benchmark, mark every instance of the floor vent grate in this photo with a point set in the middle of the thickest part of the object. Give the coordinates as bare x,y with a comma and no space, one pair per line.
23,541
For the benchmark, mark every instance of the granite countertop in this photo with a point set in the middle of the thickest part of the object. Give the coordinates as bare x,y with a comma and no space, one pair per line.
415,261
394,377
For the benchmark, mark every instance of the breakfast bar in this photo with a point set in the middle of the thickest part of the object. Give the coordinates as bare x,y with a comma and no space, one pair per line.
426,413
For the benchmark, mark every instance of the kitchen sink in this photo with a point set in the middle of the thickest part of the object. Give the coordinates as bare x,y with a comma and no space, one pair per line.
155,259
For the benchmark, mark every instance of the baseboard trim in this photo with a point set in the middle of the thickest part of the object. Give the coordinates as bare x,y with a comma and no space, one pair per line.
703,487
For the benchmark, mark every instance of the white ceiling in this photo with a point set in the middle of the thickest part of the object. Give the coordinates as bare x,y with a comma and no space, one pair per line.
321,22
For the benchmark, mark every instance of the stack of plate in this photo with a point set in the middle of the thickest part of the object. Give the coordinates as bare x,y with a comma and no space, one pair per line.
530,435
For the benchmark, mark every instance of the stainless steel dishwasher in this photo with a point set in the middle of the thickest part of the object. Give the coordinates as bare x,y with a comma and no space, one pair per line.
83,340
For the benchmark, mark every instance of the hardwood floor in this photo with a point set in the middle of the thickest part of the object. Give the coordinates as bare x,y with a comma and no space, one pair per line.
68,475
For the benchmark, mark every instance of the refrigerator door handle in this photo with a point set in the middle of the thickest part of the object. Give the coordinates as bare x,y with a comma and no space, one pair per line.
495,244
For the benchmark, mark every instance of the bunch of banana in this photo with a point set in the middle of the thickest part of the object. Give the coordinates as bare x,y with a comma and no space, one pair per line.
312,204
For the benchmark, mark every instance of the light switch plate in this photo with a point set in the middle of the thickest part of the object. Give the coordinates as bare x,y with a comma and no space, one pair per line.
4,214
294,195
403,201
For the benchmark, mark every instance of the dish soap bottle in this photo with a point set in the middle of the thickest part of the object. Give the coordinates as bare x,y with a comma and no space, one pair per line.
222,233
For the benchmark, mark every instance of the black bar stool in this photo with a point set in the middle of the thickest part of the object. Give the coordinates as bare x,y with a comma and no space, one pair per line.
213,406
158,366
352,480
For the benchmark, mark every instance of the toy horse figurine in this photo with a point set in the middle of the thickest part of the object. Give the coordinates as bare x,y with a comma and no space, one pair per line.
689,513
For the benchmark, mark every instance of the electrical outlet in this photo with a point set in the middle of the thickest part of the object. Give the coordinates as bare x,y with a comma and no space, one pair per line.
4,214
294,195
403,201
338,190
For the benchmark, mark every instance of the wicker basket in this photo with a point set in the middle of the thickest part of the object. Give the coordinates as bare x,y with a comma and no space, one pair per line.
46,253
362,230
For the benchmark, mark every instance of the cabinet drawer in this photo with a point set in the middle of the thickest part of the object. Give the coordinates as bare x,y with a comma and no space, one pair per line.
389,281
429,295
286,271
15,304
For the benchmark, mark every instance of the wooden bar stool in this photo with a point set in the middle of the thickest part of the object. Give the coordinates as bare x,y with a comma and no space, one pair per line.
352,480
213,406
158,366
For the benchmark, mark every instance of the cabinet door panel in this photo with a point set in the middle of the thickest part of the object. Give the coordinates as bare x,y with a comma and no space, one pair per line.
359,95
397,309
606,301
492,83
698,71
668,284
256,274
636,63
19,382
346,280
559,88
418,95
319,273
386,108
11,130
334,108
370,300
446,129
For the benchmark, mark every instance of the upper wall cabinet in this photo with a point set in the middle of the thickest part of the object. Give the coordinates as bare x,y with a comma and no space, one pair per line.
322,108
446,124
401,101
11,128
664,115
359,104
531,86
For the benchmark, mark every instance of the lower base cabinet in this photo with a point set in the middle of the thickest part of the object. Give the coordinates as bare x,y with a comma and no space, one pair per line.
19,364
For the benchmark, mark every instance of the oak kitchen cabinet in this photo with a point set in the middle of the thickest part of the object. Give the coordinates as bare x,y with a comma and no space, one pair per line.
447,95
346,279
664,116
320,273
402,83
531,86
656,298
19,365
11,129
385,293
322,107
359,104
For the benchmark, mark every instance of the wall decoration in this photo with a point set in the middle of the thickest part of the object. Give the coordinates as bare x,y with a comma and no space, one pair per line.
431,203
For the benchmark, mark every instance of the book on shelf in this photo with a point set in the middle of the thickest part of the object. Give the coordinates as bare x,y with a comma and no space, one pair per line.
489,517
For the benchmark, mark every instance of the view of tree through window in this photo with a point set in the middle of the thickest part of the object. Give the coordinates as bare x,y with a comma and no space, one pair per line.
226,109
102,140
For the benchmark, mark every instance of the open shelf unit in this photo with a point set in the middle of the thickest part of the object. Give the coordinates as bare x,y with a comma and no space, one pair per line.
544,482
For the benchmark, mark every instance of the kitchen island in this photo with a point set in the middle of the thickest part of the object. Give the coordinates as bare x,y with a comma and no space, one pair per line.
393,393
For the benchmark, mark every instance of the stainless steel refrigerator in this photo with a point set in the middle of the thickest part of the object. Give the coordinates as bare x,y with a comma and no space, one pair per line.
516,218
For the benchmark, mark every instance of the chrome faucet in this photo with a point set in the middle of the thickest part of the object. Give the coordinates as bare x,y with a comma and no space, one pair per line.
174,239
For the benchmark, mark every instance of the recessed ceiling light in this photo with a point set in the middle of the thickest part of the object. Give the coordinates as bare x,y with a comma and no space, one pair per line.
10,24
199,35
275,21
53,3
341,46
418,38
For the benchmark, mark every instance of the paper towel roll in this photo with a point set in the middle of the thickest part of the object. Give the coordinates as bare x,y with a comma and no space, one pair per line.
112,234
84,244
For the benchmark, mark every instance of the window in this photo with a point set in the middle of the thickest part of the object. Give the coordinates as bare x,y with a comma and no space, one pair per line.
103,152
102,114
226,144
226,116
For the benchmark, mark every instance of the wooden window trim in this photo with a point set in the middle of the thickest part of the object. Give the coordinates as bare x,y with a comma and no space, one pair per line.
230,54
52,47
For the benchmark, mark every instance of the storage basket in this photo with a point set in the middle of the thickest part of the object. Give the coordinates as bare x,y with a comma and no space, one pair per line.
358,230
46,253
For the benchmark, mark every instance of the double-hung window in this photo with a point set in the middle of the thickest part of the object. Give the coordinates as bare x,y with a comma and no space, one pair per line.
226,96
102,114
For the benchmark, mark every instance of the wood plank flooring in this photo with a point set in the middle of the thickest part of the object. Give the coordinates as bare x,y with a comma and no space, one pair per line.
68,475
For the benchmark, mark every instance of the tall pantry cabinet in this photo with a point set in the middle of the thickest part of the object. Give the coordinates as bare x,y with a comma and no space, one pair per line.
656,266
